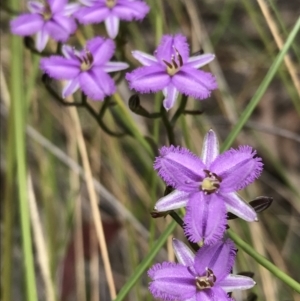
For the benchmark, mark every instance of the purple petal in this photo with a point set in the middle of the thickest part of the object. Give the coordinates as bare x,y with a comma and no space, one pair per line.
218,257
174,200
60,28
205,218
60,68
102,49
171,282
236,205
183,253
171,94
236,282
94,14
195,83
89,84
71,87
57,6
42,38
213,294
148,79
106,83
237,168
26,24
35,7
200,60
71,8
144,58
180,168
112,26
210,148
130,10
168,46
114,66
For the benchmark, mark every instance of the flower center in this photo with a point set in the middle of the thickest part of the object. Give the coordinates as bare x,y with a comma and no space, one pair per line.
111,3
175,64
47,13
211,183
86,60
206,281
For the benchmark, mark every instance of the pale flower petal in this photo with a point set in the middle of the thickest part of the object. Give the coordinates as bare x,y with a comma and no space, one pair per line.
112,26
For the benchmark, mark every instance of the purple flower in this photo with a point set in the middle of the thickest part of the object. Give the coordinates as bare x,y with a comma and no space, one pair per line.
50,18
86,69
201,277
207,186
172,70
111,12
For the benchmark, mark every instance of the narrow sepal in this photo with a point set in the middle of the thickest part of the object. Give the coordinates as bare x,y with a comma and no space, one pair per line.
236,282
183,253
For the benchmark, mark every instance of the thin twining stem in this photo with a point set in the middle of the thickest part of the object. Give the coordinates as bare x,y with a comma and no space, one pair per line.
86,105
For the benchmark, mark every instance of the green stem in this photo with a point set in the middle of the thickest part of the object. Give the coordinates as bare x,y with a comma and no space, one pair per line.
9,212
168,126
18,106
261,89
264,261
146,262
180,109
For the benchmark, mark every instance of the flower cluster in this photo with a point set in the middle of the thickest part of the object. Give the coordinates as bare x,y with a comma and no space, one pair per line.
172,70
204,276
50,19
207,186
86,69
111,12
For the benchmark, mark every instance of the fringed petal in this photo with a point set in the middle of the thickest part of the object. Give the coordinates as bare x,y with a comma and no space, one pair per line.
213,294
93,14
148,79
27,24
60,68
195,83
180,168
218,257
171,282
170,45
131,10
57,6
89,84
101,49
106,83
237,168
205,218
